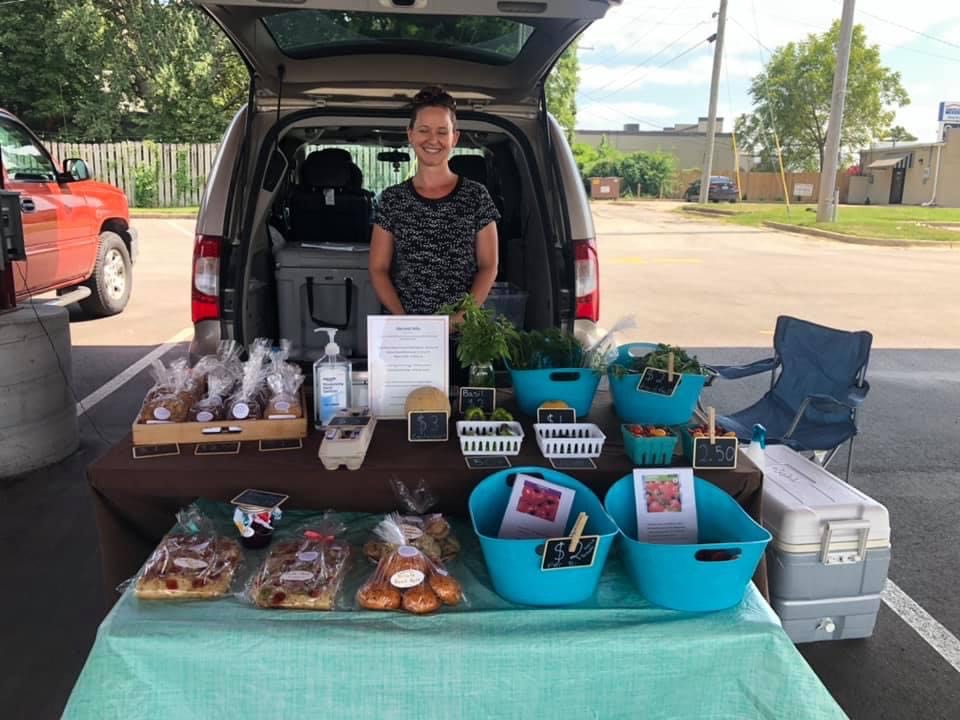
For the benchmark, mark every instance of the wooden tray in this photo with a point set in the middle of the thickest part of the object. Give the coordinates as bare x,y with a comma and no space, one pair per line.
223,430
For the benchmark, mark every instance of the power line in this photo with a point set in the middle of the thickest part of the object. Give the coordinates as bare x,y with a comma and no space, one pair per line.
646,34
920,33
646,61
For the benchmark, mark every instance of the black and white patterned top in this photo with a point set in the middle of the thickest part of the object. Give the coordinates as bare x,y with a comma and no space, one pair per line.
434,242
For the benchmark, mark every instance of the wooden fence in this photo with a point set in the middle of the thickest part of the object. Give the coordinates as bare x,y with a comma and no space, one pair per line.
151,174
764,186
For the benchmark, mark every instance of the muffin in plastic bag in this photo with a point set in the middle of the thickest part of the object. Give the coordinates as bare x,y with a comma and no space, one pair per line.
283,383
191,562
247,403
171,397
406,579
220,374
305,572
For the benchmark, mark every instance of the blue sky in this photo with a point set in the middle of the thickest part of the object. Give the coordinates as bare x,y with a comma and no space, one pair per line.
629,74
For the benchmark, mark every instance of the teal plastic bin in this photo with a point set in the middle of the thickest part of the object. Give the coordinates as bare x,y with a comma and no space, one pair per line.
681,577
515,565
648,450
633,406
575,386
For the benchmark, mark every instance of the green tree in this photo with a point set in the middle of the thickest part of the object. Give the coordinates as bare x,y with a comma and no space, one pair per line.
793,93
561,90
898,133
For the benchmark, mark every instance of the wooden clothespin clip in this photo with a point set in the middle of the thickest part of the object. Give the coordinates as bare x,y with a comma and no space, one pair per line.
578,528
670,367
712,424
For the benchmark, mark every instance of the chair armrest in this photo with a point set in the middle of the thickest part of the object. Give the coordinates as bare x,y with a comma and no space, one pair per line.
735,372
853,399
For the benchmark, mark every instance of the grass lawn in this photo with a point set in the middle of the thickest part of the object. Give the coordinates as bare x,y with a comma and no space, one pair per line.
902,222
136,212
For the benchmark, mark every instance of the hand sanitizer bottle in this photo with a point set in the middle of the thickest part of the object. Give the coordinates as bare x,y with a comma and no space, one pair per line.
332,379
756,450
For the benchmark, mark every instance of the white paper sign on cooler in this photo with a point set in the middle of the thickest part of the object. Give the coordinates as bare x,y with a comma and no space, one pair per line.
536,509
666,506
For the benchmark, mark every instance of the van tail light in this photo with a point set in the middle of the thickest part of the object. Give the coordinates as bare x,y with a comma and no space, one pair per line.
205,300
588,280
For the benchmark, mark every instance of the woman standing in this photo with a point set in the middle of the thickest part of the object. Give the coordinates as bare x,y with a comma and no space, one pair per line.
435,235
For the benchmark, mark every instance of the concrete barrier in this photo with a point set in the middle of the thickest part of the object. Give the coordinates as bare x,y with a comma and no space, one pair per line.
38,416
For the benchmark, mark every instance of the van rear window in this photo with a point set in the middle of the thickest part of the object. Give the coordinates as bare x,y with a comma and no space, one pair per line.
304,34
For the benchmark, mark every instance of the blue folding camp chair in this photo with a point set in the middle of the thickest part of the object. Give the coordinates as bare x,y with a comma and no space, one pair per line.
818,380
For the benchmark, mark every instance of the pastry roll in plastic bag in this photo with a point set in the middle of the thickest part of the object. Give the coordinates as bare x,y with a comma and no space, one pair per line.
172,395
406,579
428,532
192,562
305,571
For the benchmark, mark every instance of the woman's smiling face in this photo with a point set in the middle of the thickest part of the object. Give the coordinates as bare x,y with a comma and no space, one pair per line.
433,135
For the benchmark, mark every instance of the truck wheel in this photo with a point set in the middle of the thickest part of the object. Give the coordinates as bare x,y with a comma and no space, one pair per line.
112,278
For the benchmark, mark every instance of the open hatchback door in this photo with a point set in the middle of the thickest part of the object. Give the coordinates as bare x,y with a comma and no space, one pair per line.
327,52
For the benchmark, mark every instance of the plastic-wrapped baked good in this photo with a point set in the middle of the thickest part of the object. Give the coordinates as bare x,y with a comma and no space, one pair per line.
171,397
248,402
304,573
405,578
219,374
283,382
428,532
191,562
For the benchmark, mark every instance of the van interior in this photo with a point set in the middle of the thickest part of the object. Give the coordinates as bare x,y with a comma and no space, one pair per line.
310,219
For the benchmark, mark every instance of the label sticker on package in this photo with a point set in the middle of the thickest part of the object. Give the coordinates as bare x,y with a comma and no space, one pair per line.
241,411
204,416
666,506
161,413
537,509
190,563
296,576
407,579
308,556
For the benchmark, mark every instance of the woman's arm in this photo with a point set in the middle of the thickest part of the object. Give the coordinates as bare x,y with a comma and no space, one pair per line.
487,262
381,255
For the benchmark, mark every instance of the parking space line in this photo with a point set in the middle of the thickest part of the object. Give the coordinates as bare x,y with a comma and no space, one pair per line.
131,372
923,623
183,230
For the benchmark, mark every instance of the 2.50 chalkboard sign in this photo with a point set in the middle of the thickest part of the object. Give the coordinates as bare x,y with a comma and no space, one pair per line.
558,556
427,426
658,382
721,454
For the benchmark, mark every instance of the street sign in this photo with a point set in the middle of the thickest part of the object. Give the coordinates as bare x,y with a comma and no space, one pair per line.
949,111
803,189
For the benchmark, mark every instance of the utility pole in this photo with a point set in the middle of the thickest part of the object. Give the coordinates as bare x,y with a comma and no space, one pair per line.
827,203
714,91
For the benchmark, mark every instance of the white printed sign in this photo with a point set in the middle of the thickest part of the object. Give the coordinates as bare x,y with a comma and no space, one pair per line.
803,189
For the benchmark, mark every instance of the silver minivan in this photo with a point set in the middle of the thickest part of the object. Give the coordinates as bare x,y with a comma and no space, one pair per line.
339,75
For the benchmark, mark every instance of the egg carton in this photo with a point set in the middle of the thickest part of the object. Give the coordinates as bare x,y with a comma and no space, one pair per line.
479,437
569,440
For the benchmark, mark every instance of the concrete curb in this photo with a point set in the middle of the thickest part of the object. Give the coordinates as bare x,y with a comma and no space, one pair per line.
713,212
162,216
855,240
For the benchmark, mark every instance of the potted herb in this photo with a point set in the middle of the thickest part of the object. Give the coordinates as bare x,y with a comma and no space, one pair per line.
483,339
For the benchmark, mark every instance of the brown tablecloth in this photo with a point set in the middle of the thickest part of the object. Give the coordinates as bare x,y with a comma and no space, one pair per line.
136,500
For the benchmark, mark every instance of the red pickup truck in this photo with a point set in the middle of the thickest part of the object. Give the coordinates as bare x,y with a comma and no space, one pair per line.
76,231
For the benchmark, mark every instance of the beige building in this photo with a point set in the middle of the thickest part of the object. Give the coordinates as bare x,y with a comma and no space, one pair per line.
909,174
687,144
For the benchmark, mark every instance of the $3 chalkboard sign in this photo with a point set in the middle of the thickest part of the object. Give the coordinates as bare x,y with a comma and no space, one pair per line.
721,454
427,426
558,556
658,382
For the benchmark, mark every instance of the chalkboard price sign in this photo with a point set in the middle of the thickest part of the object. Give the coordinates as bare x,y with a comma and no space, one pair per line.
427,426
721,454
658,382
548,416
141,452
223,448
483,398
557,554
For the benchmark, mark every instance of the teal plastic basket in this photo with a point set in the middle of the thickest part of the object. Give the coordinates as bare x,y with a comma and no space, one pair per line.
648,450
574,386
676,576
633,406
515,565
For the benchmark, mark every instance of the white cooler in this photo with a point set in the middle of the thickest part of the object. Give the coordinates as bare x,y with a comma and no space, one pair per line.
830,552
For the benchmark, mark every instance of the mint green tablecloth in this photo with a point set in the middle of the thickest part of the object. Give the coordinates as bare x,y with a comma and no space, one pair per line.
614,657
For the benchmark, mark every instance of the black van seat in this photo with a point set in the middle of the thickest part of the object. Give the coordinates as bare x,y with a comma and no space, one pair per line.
474,167
329,204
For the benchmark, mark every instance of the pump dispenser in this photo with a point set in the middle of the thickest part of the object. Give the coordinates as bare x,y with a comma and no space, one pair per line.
756,450
332,381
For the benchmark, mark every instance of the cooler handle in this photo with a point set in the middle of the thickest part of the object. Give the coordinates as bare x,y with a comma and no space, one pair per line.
348,287
863,530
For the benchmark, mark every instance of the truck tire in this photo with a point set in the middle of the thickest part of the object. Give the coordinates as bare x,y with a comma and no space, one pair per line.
112,278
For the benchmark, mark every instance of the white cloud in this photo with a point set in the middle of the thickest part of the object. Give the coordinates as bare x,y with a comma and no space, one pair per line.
606,80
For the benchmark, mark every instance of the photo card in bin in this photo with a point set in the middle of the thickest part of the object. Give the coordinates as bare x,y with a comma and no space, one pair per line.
666,506
537,508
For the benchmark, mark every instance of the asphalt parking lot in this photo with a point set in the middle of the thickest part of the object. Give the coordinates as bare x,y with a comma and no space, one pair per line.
711,287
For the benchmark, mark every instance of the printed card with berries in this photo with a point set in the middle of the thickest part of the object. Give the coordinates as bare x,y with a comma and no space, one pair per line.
666,506
536,509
